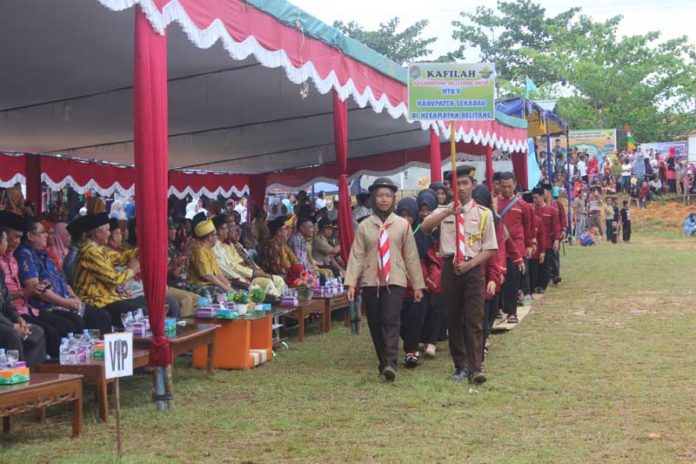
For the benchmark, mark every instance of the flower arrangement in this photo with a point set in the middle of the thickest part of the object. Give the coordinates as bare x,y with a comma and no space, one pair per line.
305,284
257,295
241,297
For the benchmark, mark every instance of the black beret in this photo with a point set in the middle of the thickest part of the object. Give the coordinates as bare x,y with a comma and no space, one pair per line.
276,224
113,224
463,170
77,226
198,218
538,191
219,220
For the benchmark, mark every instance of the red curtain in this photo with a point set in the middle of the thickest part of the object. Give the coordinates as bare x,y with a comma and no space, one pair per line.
257,190
435,157
489,167
345,219
33,179
151,183
519,168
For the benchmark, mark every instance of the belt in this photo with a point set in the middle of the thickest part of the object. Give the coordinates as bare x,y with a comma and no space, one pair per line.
451,258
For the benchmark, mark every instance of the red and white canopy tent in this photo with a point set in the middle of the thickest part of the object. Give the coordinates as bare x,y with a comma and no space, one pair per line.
126,81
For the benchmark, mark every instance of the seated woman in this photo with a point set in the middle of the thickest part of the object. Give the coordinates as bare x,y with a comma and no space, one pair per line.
243,265
99,272
275,256
178,288
203,267
15,332
51,249
55,301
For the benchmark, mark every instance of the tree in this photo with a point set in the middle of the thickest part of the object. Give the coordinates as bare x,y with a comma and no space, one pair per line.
401,47
599,79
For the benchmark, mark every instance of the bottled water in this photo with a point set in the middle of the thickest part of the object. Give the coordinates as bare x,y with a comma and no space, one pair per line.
64,351
3,358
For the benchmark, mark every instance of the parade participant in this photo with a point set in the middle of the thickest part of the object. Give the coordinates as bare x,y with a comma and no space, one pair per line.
496,266
496,182
97,279
413,312
442,193
203,266
555,258
551,230
427,203
15,332
361,211
463,281
383,259
626,221
611,218
536,259
518,221
275,256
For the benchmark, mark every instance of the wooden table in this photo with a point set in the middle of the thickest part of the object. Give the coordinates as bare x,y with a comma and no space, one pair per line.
302,312
93,370
331,304
188,338
41,391
240,343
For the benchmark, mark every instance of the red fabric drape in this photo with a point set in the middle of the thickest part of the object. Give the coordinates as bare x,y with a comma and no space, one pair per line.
519,168
151,183
435,158
345,219
257,190
33,179
489,167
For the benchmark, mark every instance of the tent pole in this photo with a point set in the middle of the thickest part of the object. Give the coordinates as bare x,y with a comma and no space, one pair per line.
435,157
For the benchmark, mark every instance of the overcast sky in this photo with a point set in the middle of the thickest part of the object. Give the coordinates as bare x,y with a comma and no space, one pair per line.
671,17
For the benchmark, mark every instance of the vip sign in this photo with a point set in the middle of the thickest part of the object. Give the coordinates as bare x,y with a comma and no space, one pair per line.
118,355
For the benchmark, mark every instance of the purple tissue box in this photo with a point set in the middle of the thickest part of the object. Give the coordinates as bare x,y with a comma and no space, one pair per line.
288,301
206,313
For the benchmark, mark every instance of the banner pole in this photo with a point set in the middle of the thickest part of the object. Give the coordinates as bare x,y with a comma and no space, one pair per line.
119,439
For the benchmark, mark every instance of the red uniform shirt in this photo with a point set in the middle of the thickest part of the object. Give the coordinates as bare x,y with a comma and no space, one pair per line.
541,245
551,229
518,220
562,217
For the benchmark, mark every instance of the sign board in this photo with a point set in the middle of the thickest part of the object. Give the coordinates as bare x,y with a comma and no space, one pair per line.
692,148
662,148
118,355
595,141
451,91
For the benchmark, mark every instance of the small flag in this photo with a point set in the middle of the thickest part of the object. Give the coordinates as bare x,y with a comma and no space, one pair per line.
529,87
630,141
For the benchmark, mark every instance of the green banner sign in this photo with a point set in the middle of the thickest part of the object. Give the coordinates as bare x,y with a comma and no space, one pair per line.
451,91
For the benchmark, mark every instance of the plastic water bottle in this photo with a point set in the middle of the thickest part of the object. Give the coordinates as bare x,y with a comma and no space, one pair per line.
3,358
64,351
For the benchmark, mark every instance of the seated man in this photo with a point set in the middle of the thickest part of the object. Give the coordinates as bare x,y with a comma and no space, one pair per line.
323,252
203,267
77,235
15,332
52,296
222,256
178,288
275,256
301,244
243,265
97,279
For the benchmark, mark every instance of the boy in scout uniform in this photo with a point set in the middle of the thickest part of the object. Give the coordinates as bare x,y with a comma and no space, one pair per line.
383,261
463,282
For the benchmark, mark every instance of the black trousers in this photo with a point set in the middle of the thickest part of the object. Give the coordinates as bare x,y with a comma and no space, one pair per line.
553,258
611,232
32,350
117,308
539,272
510,288
56,325
464,305
383,307
490,311
433,318
412,318
524,282
626,231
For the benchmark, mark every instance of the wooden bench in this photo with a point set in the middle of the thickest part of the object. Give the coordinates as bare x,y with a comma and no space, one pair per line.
93,370
332,304
42,391
303,311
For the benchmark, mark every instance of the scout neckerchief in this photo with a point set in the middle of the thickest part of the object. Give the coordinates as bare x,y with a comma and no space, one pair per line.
383,256
461,235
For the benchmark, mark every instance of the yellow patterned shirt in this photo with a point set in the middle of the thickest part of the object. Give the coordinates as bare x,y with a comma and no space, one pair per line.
202,263
96,279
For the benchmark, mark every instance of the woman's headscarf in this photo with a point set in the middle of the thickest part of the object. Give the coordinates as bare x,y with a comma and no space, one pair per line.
423,241
63,240
50,249
435,186
14,201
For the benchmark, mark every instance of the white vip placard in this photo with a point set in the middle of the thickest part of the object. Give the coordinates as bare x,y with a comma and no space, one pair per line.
118,355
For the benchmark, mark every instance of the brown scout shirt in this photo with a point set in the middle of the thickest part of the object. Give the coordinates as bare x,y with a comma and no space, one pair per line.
405,264
477,238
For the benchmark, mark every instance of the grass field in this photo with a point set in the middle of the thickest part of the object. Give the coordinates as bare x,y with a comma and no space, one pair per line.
602,371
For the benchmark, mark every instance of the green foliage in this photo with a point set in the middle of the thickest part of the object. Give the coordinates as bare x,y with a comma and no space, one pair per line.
600,80
401,47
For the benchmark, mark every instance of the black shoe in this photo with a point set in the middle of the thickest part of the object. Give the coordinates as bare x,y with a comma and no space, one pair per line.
539,290
460,375
477,377
412,360
389,373
557,280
